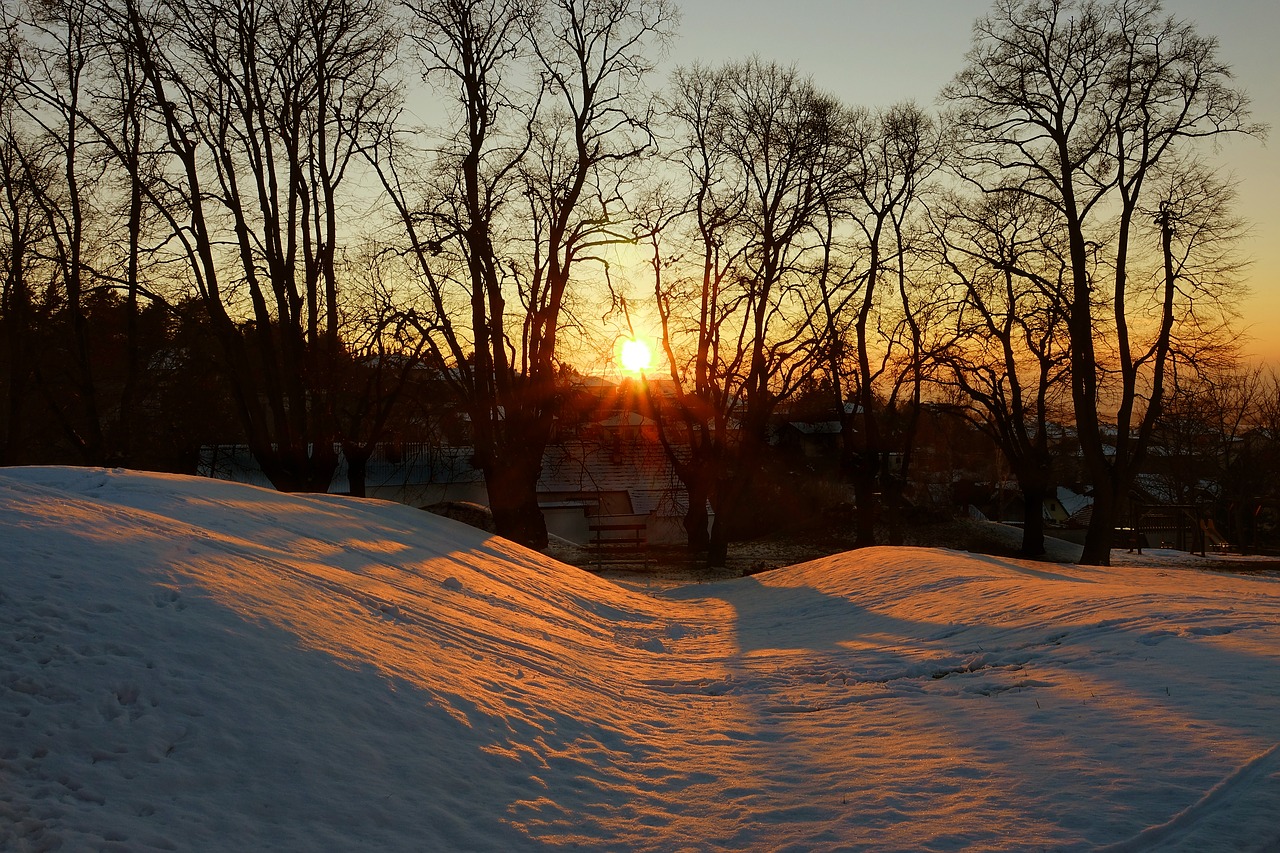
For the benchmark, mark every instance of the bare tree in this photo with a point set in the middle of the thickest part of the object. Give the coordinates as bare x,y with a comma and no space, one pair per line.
1252,495
1208,409
892,152
1084,105
1005,260
71,84
761,148
382,353
24,228
261,107
529,188
54,65
713,202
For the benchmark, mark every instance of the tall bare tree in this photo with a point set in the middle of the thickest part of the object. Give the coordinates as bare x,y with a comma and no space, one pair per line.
73,82
871,316
1253,493
261,107
1005,261
551,117
1201,432
55,63
1084,105
761,148
24,228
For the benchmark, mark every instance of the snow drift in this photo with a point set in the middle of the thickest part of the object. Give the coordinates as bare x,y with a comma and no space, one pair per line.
197,665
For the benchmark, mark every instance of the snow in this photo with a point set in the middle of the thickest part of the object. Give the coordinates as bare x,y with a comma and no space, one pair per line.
188,664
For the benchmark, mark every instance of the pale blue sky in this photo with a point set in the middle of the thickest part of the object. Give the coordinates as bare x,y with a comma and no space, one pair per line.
879,52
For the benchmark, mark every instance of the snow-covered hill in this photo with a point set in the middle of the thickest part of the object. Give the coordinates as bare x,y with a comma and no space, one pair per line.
196,665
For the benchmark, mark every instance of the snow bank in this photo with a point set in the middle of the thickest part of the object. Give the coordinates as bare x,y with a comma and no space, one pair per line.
198,665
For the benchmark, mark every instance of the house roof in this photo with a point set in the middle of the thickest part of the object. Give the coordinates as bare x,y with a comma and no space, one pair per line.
640,468
816,428
1073,502
389,465
632,465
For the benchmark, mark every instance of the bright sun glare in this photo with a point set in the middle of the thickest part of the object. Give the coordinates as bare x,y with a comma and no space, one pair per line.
635,355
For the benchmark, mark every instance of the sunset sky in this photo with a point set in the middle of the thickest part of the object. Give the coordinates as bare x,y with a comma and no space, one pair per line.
873,53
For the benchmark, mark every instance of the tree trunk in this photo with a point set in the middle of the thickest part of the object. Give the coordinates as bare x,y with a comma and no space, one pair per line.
893,490
718,542
512,481
1102,523
16,330
357,456
864,496
695,516
1033,494
727,501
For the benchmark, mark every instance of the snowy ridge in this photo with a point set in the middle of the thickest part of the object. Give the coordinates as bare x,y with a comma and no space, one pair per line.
1203,824
198,665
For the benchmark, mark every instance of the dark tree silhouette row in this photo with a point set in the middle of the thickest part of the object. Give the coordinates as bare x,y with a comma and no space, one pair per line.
299,206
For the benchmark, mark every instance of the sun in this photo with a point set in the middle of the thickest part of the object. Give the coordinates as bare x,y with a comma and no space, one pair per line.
635,355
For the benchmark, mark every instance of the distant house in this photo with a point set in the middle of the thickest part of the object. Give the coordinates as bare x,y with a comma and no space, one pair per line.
814,439
1067,507
408,473
619,471
625,477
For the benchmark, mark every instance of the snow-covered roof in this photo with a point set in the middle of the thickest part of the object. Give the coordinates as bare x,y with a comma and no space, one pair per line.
816,427
639,468
1073,502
